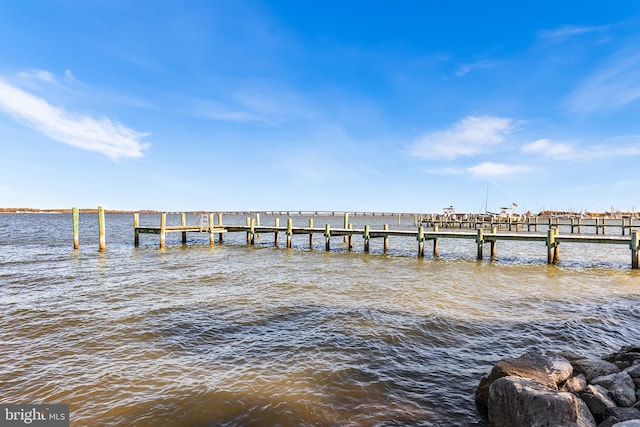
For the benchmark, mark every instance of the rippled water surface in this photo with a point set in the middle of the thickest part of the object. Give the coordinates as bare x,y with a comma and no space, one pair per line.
194,335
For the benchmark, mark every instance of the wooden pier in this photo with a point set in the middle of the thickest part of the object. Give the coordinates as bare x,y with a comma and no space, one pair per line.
421,234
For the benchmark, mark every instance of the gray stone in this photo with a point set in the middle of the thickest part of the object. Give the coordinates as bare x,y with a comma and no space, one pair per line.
620,386
597,399
623,414
575,385
549,370
630,423
593,367
521,402
633,371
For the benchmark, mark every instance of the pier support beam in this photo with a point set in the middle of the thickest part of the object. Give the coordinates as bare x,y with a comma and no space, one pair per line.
136,232
420,242
385,245
367,237
311,233
220,224
327,237
211,234
635,249
275,234
435,243
183,222
480,243
101,227
553,248
350,239
163,229
289,232
494,250
346,225
75,215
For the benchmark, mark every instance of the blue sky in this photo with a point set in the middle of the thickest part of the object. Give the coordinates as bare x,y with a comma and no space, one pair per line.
396,106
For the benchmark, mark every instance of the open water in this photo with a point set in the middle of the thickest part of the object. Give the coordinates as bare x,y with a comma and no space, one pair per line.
234,335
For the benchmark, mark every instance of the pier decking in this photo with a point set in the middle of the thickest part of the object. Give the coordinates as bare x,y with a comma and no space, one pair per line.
421,234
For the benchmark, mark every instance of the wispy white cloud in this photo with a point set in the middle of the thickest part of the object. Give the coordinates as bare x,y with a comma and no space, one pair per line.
78,130
471,136
568,31
615,84
491,169
615,147
478,65
258,102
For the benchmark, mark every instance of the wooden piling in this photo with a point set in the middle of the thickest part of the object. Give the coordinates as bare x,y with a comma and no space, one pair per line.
311,234
327,237
211,234
553,248
220,224
289,232
75,215
367,237
183,222
494,250
480,243
435,242
635,249
136,232
385,245
345,225
420,242
350,239
275,234
101,227
163,229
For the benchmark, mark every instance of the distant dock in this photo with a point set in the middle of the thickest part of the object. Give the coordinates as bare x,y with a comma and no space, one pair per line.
486,232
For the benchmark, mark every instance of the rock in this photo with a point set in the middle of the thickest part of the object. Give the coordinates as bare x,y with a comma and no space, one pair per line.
624,414
593,367
575,385
624,358
630,423
620,386
597,399
633,371
549,370
520,402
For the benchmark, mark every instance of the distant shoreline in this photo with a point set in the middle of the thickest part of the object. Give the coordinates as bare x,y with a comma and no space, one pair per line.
546,213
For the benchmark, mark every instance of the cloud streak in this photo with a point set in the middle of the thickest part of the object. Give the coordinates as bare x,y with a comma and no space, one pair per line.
80,131
471,136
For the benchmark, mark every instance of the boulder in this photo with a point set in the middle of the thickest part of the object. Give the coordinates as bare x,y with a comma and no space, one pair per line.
620,386
627,356
630,423
597,399
575,385
593,367
548,370
521,402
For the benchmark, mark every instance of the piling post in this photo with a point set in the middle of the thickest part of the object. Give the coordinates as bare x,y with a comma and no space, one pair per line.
136,232
494,251
252,231
420,242
480,243
346,225
75,215
183,222
399,216
623,222
350,239
101,227
435,242
553,247
327,237
635,249
367,237
163,229
572,224
311,233
211,235
579,225
385,245
289,231
275,234
220,224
